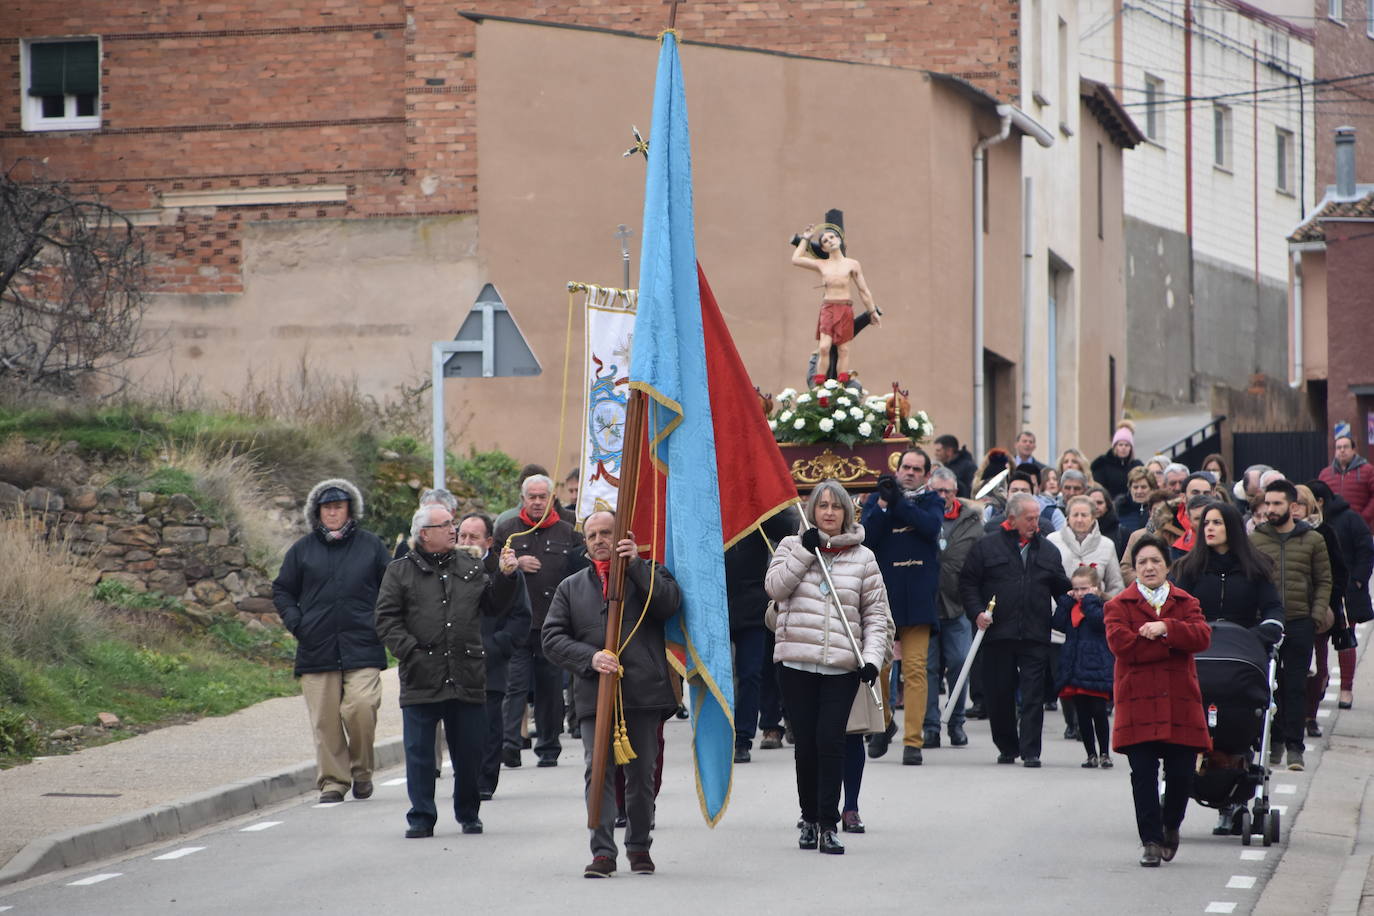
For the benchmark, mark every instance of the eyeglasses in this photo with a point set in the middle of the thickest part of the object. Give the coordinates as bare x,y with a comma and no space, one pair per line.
441,525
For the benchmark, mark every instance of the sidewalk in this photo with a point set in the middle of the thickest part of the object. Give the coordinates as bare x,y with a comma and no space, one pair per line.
59,812
1328,852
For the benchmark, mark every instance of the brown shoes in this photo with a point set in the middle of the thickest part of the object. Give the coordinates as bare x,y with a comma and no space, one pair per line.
362,788
1169,848
641,864
600,867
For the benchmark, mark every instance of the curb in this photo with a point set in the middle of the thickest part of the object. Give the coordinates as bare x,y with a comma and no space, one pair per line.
117,835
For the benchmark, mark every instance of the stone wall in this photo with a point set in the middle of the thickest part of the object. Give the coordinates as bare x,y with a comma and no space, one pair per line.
153,543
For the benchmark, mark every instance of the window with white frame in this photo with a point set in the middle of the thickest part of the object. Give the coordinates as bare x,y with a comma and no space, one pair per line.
1369,18
1221,136
1335,9
1283,160
60,83
1154,111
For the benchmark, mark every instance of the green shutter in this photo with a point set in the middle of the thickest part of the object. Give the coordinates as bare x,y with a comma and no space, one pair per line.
64,68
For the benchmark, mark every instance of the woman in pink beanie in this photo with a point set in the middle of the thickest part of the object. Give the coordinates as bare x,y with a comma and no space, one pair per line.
1111,469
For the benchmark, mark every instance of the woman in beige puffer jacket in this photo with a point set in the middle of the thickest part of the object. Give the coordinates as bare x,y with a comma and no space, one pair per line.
819,673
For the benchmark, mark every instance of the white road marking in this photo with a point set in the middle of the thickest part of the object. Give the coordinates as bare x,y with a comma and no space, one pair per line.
1286,789
1241,882
94,879
1220,906
1281,809
260,825
178,853
395,782
1253,855
1323,713
327,804
3,908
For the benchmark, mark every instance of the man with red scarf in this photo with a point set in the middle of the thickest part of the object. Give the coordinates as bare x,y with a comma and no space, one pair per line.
547,550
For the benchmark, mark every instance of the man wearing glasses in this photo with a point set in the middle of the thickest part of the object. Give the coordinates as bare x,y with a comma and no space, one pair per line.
429,614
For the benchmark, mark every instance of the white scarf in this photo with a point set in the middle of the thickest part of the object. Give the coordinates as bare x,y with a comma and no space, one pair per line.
1155,596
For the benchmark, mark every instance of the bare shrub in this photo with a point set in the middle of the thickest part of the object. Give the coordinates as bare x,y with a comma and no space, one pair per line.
46,609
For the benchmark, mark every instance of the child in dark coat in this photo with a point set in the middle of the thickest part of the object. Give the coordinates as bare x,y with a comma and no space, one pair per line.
1085,663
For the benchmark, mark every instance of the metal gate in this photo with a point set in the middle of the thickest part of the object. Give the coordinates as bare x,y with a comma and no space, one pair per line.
1300,454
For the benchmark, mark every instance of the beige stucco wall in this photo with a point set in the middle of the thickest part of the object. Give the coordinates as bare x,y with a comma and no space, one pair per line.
1314,328
776,141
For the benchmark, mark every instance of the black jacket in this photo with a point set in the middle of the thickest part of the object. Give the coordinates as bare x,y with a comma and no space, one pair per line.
1085,659
1024,591
575,630
325,593
964,467
745,564
502,635
1131,517
1225,594
1357,551
560,550
1111,471
429,615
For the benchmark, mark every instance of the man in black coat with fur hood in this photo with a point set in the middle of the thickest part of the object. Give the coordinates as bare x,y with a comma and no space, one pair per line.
324,594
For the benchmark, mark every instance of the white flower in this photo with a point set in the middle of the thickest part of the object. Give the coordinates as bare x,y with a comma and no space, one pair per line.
803,398
843,401
924,419
831,384
856,413
787,394
785,416
772,424
826,424
912,424
840,415
799,424
865,429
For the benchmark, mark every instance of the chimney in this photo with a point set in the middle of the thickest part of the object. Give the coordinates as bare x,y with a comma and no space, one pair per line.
1345,163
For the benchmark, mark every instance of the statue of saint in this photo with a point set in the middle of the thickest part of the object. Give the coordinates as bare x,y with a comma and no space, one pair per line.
838,271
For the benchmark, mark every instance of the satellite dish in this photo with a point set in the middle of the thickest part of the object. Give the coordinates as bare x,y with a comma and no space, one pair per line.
993,484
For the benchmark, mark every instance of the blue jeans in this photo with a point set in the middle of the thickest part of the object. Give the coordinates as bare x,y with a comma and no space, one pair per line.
465,727
946,655
750,664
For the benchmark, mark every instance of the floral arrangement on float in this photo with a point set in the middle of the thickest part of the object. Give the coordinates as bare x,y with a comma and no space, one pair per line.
844,432
831,412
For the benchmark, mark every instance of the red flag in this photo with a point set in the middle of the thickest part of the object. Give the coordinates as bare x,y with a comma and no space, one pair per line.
754,478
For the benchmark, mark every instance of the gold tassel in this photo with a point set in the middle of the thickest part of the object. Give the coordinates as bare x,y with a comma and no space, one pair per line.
620,740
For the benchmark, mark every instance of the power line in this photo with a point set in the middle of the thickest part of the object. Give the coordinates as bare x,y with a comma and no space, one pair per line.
1251,92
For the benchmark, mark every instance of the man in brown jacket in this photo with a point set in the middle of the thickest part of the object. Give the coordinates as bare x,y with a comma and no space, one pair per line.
1303,573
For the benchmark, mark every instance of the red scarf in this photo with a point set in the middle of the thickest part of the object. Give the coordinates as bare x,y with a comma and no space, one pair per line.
603,570
953,513
1076,615
1008,526
549,521
1185,540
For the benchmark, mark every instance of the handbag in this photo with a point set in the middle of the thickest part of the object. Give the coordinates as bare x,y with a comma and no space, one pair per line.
865,718
1343,639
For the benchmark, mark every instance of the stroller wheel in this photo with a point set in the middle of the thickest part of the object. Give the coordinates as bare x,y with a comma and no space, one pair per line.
1271,829
1244,827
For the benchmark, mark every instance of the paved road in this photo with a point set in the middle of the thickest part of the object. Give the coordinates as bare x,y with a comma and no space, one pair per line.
960,832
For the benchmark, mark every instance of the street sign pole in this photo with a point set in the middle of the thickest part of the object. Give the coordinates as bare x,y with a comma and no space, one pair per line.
488,345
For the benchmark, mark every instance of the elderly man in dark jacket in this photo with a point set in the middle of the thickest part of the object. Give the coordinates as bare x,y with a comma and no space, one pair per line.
574,638
547,550
501,637
324,594
961,527
901,524
429,612
1023,571
746,562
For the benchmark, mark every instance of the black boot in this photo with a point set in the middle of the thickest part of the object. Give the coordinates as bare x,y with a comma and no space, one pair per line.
807,838
830,842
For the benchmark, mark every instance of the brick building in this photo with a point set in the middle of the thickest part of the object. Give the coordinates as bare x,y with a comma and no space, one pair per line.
308,173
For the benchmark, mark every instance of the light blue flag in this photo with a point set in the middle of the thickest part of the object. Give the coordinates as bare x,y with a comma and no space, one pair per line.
669,364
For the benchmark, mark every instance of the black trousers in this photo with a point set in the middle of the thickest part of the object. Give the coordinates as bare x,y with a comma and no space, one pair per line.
530,669
465,726
491,746
1009,665
1295,658
818,707
1150,816
1092,718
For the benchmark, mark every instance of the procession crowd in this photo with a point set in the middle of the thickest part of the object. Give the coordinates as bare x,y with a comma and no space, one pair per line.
1090,586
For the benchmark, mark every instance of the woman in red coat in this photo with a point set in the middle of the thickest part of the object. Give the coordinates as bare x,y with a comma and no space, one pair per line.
1153,629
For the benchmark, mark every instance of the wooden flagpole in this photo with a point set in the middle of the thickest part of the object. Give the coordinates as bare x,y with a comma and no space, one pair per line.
615,599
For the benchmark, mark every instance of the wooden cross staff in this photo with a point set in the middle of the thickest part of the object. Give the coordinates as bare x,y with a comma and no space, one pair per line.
672,12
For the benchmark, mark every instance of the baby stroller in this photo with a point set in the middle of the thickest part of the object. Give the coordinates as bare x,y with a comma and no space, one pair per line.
1236,674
